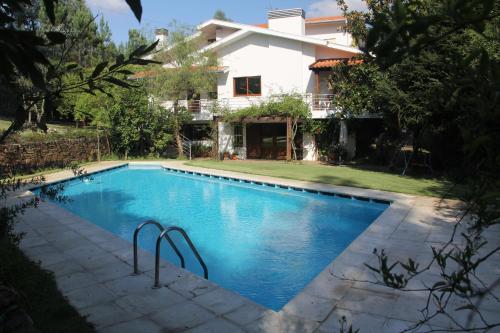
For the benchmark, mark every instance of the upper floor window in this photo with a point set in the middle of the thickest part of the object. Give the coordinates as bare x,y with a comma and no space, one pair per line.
247,86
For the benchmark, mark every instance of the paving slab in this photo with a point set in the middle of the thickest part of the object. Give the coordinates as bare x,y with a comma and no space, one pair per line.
77,280
181,317
217,325
108,314
191,286
151,301
112,272
309,307
134,326
365,322
220,301
88,296
246,314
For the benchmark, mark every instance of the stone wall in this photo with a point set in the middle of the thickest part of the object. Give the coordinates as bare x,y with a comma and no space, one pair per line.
27,157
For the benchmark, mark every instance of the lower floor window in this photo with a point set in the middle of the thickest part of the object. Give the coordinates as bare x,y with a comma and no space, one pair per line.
238,136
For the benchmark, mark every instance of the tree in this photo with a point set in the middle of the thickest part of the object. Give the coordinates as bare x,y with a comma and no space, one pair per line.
25,57
95,110
220,15
74,19
186,73
137,126
106,49
136,38
439,62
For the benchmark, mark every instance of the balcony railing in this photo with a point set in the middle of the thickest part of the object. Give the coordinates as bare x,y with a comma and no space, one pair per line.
320,105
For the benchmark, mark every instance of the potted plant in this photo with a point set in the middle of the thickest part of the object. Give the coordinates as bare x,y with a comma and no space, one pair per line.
337,153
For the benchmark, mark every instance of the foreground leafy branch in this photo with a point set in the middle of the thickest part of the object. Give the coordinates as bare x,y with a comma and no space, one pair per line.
24,57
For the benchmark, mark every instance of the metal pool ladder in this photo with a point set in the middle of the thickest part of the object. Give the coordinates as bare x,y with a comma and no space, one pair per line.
164,234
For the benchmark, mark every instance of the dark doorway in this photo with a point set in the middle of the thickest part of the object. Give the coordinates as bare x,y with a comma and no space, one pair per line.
266,141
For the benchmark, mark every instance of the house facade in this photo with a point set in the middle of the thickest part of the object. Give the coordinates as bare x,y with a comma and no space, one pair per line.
290,54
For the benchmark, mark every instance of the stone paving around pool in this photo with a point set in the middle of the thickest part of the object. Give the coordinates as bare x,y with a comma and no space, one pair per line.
93,269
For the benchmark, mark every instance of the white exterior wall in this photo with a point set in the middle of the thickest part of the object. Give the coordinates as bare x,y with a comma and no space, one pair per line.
329,31
282,64
225,138
326,53
292,25
310,152
226,134
348,139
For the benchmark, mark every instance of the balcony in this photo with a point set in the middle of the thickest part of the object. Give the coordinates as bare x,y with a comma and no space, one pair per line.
321,105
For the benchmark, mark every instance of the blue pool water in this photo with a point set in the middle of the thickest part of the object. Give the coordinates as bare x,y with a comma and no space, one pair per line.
262,242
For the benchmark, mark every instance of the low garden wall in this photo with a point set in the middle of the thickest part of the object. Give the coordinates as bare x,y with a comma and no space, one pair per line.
26,157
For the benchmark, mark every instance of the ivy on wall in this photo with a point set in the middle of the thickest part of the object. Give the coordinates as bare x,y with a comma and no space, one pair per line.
292,106
283,106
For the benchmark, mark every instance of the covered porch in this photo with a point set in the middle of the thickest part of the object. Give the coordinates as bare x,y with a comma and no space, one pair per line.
268,138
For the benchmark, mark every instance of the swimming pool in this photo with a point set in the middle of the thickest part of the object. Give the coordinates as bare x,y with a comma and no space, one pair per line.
262,241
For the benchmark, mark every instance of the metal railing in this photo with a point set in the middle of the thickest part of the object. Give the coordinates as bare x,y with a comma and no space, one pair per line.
160,227
187,146
316,102
164,234
320,102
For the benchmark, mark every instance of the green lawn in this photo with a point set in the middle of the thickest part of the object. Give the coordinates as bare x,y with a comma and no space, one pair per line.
5,123
335,175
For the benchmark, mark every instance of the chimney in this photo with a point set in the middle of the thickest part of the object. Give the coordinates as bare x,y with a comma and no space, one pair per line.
291,21
161,35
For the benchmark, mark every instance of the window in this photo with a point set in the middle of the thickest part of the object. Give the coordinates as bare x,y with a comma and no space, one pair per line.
247,86
238,136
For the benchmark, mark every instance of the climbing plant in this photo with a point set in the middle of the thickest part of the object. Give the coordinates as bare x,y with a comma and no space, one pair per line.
291,105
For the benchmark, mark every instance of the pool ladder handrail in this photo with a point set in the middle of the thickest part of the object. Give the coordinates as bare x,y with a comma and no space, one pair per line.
160,227
164,234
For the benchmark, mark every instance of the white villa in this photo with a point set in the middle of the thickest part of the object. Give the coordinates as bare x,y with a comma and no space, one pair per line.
288,54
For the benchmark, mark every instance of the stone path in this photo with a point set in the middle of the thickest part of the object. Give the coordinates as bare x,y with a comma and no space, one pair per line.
93,270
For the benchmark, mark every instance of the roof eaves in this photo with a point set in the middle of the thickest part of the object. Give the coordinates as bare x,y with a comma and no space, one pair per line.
229,39
244,29
344,48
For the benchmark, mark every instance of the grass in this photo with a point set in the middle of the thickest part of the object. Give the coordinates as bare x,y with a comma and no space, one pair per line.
335,175
55,132
48,171
5,123
40,298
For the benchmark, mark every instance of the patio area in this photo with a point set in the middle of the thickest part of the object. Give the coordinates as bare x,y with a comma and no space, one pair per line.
93,269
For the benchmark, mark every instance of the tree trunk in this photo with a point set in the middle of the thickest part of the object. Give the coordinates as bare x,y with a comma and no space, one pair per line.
292,139
98,146
215,139
107,142
177,130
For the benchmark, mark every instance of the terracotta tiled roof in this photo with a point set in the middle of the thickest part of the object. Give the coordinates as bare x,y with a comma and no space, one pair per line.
329,63
324,19
310,20
142,75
